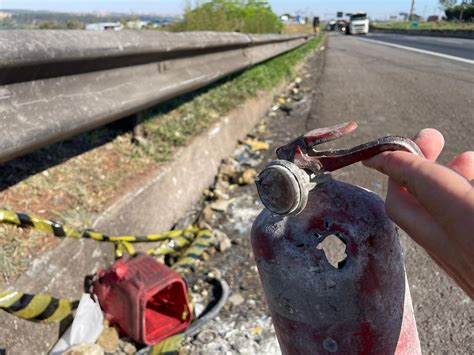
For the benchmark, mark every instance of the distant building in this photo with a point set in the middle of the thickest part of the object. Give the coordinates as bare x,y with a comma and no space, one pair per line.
290,19
104,26
165,20
137,25
301,20
4,15
404,16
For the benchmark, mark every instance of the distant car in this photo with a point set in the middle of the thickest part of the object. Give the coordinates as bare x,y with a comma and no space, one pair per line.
341,25
433,18
331,26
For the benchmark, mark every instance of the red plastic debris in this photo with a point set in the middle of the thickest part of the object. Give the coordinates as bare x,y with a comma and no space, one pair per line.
146,299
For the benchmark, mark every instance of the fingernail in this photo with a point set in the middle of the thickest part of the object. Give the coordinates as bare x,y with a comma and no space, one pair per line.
424,133
429,133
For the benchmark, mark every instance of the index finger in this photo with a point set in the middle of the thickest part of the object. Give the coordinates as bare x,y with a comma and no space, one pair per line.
446,195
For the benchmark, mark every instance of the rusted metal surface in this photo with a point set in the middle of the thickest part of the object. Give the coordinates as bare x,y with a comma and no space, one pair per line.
54,84
360,305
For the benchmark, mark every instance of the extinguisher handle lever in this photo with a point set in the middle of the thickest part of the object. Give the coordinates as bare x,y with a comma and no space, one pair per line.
284,185
309,140
303,154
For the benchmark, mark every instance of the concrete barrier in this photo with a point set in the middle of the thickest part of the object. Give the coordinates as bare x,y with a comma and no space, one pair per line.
431,33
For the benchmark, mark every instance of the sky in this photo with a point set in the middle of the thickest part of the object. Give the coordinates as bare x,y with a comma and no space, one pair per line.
323,8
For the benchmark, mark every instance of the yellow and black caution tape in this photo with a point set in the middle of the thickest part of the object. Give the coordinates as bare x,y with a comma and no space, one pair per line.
38,308
167,346
29,221
175,242
178,241
204,239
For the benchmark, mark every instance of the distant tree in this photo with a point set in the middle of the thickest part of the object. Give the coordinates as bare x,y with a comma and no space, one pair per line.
50,25
74,25
7,23
462,12
27,19
247,16
446,4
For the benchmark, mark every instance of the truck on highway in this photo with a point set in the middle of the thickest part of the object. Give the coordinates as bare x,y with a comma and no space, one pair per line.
358,24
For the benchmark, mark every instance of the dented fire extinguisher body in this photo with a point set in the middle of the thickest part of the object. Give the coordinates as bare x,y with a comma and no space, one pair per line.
363,305
360,307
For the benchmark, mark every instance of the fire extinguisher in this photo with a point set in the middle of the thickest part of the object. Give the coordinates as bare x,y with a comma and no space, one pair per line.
363,304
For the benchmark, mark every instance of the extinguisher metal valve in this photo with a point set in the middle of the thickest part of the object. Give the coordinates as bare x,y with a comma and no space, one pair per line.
283,186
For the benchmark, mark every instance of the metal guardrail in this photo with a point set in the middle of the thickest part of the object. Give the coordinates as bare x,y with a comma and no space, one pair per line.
55,84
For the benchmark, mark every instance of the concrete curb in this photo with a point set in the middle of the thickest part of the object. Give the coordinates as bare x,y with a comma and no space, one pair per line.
469,34
149,207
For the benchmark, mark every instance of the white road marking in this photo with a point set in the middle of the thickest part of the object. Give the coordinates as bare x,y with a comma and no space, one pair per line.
446,56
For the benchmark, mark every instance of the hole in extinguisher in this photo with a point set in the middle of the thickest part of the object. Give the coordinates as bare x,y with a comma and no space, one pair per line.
334,249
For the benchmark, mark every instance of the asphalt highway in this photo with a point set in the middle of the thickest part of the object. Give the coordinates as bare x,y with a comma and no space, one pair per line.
457,47
391,91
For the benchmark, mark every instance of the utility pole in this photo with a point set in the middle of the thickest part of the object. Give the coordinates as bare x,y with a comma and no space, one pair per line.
463,5
412,10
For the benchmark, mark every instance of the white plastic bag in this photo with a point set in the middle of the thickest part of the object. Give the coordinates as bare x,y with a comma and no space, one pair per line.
86,327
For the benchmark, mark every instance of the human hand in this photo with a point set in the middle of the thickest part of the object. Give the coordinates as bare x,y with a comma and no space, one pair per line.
433,203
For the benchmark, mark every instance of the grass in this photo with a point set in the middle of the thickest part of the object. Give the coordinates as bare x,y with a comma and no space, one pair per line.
18,248
424,25
74,180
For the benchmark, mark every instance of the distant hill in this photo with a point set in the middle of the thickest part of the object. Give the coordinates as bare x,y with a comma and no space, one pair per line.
29,19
